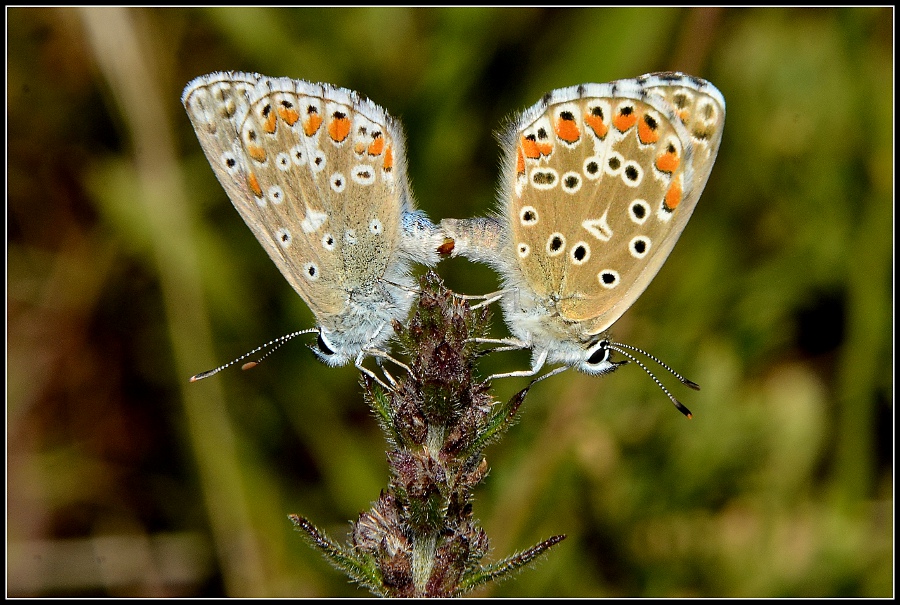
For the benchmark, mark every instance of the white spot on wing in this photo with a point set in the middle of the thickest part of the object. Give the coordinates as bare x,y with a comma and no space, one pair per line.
283,236
298,155
632,174
592,168
528,216
313,220
276,194
317,162
580,249
231,162
599,228
556,244
639,246
363,174
311,271
639,211
608,278
571,182
544,178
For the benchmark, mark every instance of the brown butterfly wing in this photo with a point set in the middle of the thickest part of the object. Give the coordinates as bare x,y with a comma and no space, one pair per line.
311,170
598,181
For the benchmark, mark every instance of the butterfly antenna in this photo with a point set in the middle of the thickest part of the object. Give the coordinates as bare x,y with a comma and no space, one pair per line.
684,381
678,404
272,345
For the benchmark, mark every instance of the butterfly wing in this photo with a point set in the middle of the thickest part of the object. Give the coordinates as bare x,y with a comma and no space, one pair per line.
311,169
601,179
701,108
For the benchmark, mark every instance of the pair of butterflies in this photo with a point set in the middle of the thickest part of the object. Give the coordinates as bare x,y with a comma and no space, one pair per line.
598,182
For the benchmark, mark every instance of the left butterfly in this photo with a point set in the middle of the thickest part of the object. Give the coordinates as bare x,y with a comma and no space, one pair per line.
318,173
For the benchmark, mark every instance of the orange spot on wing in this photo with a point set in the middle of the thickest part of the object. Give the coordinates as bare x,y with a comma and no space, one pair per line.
567,130
289,115
271,122
520,162
596,124
257,153
312,123
673,195
534,150
668,162
388,159
254,185
646,134
377,146
530,148
339,128
623,121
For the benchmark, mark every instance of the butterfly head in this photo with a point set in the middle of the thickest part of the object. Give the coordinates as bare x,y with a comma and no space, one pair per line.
330,350
596,360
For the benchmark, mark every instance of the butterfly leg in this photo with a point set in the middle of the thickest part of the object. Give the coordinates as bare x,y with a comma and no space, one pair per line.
535,368
379,355
506,344
485,299
370,373
382,355
387,374
549,374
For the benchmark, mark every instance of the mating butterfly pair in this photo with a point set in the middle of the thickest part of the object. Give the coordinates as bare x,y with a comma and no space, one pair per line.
597,184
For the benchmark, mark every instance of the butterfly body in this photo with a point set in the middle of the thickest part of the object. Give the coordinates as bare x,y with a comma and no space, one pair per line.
598,182
318,174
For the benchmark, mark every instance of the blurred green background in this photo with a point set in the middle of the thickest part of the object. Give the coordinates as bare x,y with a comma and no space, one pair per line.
128,270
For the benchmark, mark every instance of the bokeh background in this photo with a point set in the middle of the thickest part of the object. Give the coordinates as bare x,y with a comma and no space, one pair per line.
128,270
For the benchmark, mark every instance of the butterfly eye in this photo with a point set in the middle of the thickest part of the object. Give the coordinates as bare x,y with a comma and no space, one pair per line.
323,345
600,355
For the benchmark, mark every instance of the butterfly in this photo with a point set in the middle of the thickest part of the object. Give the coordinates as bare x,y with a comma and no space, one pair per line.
318,173
598,182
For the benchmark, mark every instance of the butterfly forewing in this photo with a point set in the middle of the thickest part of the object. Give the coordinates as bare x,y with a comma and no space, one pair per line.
701,108
216,105
599,179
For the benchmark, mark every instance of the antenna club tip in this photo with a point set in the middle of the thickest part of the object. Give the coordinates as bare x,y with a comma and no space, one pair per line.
194,378
249,365
682,409
692,384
